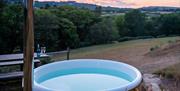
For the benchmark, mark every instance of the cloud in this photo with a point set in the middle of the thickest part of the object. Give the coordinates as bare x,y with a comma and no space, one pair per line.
116,3
128,3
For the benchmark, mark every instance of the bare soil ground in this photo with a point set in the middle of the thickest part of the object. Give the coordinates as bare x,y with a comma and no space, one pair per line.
170,85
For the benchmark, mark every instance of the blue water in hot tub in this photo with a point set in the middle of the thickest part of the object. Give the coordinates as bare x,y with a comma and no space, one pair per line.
84,79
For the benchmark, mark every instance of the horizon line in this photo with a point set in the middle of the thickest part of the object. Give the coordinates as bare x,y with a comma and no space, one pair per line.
109,5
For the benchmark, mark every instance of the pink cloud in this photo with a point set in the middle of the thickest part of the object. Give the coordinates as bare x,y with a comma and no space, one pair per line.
128,3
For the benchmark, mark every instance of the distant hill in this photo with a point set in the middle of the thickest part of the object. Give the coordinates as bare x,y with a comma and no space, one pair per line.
105,9
72,3
13,1
79,5
160,8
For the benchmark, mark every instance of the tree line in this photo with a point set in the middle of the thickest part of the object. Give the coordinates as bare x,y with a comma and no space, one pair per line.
57,28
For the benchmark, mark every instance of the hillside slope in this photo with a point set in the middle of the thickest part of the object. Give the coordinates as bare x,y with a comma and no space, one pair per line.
136,53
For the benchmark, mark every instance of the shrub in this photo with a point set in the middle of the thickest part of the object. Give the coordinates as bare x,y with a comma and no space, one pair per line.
84,44
169,74
144,37
126,39
161,36
154,48
45,60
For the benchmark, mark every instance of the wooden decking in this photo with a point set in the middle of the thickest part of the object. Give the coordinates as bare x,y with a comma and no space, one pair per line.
12,80
13,57
15,75
16,60
19,62
11,76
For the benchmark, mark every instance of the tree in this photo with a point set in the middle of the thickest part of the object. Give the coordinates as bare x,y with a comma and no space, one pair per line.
46,26
169,24
98,10
152,27
47,6
67,33
11,28
2,4
134,22
120,23
53,32
81,18
103,32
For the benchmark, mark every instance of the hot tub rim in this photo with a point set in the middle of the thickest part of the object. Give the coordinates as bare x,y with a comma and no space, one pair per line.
136,81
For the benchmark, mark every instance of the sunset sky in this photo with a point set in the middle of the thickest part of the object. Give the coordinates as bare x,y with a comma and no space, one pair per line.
129,3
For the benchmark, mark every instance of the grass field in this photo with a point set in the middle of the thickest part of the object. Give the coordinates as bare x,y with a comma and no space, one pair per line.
131,52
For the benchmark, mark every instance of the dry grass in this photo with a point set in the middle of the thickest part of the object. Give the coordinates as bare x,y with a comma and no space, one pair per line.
170,72
131,52
170,77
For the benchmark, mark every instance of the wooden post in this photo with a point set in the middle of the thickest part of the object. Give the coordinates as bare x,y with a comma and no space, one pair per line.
68,52
28,45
